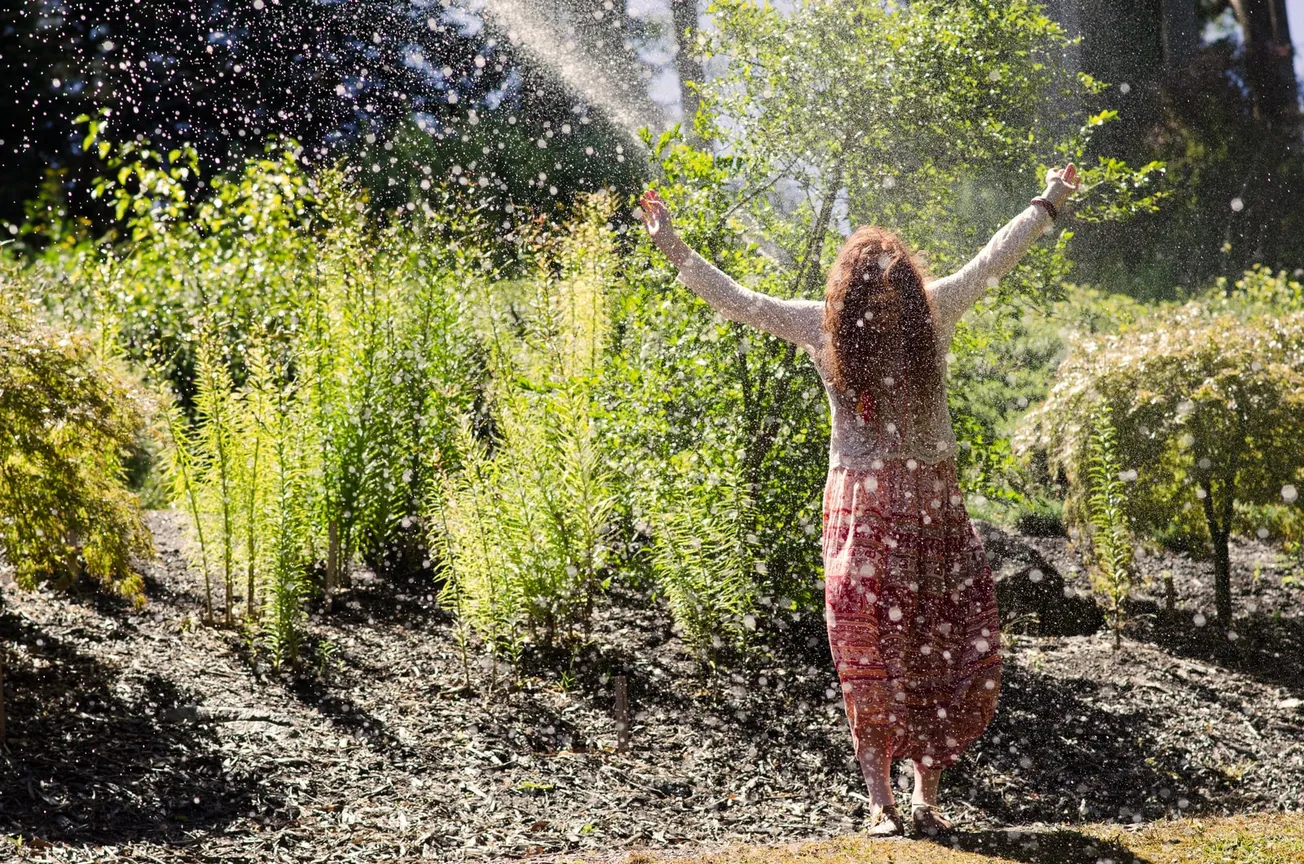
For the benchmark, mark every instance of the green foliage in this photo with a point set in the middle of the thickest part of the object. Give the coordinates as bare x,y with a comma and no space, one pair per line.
322,361
701,554
918,117
1111,540
69,417
521,527
1258,291
687,381
279,531
928,117
1208,408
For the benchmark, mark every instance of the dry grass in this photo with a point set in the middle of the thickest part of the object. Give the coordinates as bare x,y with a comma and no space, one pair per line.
1271,839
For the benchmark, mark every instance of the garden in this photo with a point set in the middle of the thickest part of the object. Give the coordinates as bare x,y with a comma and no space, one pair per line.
371,489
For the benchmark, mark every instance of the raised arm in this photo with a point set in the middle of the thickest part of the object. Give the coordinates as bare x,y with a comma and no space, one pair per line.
953,295
797,321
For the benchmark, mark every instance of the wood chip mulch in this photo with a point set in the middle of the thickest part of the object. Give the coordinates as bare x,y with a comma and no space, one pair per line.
145,735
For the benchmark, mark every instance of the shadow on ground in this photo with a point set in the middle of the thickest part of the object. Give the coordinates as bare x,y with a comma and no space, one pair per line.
1266,648
90,757
1041,847
1052,750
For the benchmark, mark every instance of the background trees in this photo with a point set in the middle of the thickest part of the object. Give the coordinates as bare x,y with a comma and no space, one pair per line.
1222,112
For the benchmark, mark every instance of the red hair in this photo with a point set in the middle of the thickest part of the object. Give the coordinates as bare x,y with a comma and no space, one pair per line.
877,317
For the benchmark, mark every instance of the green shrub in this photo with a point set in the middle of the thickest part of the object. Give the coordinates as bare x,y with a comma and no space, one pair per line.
1258,291
1209,412
280,522
69,417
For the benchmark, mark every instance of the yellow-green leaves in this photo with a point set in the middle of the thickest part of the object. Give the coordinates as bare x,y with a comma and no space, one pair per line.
67,416
1208,407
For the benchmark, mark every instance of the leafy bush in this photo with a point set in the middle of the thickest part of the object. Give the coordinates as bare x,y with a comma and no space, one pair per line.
69,417
1259,290
1209,412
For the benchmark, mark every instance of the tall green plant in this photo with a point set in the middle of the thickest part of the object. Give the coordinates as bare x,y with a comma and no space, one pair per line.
481,565
281,560
701,557
1111,540
218,458
536,558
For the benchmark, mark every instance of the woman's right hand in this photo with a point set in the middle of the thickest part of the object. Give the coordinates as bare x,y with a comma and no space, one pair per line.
656,216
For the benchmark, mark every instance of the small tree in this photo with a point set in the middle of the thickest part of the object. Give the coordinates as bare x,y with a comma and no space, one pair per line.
1209,412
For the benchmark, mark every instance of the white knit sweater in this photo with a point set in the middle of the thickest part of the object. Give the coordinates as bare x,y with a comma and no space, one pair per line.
855,443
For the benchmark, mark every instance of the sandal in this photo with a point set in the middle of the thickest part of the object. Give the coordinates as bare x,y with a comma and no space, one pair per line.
886,822
928,819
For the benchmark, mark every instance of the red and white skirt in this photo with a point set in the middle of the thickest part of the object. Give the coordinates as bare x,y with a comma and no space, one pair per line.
911,609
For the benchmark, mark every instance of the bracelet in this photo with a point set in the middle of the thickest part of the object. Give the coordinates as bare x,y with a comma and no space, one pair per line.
1050,208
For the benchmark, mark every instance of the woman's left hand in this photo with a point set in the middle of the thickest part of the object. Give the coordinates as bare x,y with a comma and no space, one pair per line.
1060,184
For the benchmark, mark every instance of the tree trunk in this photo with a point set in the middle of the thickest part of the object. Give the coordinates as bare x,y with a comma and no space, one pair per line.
1268,59
1219,530
687,65
1222,579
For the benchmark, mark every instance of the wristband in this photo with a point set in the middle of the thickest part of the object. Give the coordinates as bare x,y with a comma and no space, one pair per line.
1050,208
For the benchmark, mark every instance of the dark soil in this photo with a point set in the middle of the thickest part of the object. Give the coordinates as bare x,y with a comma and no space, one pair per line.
148,735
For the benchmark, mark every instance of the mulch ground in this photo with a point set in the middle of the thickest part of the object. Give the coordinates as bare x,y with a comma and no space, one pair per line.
145,735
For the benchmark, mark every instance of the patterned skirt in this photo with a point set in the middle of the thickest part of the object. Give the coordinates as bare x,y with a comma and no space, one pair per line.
911,609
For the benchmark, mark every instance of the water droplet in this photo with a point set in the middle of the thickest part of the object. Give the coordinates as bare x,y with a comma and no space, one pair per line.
1237,205
1199,619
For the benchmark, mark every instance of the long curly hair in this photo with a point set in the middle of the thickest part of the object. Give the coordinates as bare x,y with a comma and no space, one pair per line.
878,320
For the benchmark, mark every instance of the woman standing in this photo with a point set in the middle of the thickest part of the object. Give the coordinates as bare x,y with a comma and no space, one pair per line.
909,597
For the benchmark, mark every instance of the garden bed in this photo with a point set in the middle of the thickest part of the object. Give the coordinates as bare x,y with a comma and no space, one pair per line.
146,734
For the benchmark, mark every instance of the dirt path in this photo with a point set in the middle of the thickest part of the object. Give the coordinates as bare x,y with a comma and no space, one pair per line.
144,735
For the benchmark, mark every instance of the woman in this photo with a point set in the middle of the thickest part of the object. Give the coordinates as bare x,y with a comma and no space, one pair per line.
909,598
